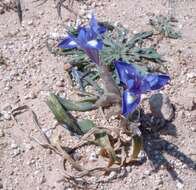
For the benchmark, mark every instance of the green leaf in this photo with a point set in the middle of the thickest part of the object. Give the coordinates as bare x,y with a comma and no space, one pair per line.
76,106
165,26
86,125
61,115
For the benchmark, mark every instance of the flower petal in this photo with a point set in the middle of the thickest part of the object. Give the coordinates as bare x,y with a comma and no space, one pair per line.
145,86
95,44
95,27
130,83
126,71
67,43
82,35
130,102
93,23
93,54
157,81
102,29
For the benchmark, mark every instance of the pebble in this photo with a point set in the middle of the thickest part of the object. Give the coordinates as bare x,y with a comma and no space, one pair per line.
193,129
179,185
6,115
15,153
47,131
159,181
14,146
28,146
2,134
112,175
41,12
93,156
161,106
30,23
31,95
42,179
147,172
123,172
60,84
1,10
191,75
129,169
1,185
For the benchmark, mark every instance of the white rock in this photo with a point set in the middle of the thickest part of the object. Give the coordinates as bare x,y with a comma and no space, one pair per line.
30,23
179,185
15,153
93,156
14,146
6,115
112,175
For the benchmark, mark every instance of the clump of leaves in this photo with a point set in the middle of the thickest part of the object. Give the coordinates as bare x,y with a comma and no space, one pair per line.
118,46
62,108
122,96
165,25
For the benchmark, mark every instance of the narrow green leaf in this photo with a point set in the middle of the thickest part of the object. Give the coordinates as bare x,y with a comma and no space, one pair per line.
61,115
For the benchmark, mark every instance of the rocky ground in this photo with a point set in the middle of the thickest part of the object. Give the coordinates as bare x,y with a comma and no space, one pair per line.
28,72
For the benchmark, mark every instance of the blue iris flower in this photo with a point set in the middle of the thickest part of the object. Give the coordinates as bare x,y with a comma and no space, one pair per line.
89,39
136,83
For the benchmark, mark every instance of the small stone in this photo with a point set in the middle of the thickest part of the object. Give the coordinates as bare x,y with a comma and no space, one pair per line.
47,131
32,95
161,106
112,175
193,129
6,115
191,75
179,185
60,84
41,12
30,23
123,172
93,156
129,169
28,147
2,134
147,172
159,181
1,185
43,179
15,153
14,146
1,10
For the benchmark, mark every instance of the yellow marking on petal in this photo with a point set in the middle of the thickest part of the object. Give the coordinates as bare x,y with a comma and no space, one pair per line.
131,99
92,43
72,43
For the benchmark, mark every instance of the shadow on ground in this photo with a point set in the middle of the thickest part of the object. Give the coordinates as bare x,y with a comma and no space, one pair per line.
156,147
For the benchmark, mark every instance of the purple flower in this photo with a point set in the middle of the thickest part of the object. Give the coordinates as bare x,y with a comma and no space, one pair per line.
88,39
136,83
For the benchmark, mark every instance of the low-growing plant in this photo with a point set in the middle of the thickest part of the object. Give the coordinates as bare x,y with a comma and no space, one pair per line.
165,25
104,51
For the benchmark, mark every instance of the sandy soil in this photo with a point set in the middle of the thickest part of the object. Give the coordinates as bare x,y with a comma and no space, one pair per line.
31,72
